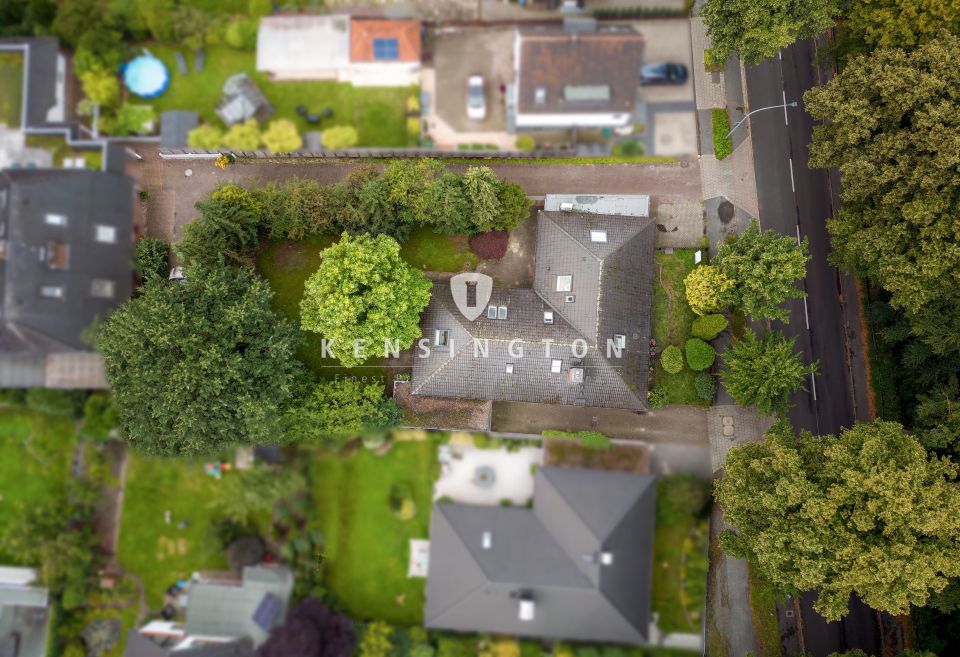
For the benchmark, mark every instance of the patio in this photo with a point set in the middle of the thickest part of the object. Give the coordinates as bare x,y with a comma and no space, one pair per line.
469,475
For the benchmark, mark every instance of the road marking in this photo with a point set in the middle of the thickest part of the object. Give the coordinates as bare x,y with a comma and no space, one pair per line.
785,120
798,234
806,313
813,386
780,55
793,187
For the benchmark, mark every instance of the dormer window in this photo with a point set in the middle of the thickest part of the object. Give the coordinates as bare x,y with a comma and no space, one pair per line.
502,312
491,312
599,236
441,338
564,283
106,234
55,219
619,341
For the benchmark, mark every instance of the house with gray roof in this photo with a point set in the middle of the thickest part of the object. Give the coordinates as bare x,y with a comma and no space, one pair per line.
581,336
23,613
576,566
65,260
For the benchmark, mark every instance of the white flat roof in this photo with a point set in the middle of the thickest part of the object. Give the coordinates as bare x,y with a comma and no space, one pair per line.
301,44
631,205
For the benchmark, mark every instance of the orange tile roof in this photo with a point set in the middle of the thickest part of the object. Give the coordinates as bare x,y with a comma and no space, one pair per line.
364,31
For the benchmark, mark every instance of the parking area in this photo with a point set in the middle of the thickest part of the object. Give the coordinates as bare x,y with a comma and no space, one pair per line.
458,53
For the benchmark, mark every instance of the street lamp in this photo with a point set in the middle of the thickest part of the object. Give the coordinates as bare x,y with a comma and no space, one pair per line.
746,116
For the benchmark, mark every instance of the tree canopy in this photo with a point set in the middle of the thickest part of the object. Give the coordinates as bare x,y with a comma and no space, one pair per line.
890,123
901,23
867,512
764,372
764,267
758,29
311,629
364,295
345,408
708,290
201,364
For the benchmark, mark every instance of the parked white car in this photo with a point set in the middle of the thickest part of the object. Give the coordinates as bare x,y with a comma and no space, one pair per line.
476,99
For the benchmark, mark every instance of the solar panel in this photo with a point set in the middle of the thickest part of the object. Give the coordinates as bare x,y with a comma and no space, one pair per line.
386,49
267,611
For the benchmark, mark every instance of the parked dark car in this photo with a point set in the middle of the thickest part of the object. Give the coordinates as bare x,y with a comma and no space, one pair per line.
651,74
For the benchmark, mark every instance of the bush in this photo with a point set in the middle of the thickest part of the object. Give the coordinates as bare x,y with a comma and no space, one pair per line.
486,441
672,360
151,258
708,290
245,551
629,148
413,104
243,136
657,398
259,8
526,143
722,145
594,440
281,136
205,137
401,501
135,120
242,33
705,385
708,327
99,416
681,496
456,646
490,246
700,355
68,403
339,137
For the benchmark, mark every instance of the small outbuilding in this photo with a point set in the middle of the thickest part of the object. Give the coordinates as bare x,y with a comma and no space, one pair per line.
242,100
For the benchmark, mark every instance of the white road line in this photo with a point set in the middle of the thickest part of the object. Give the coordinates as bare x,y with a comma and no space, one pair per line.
780,55
793,187
785,120
798,234
813,386
806,313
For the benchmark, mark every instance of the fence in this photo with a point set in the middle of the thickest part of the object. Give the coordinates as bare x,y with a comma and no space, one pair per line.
367,153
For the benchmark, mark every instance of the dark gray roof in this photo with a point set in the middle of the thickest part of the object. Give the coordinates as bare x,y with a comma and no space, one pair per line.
140,646
612,289
68,257
174,126
550,555
578,72
41,78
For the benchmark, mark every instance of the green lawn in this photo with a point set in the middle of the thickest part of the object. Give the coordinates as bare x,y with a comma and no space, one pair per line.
35,455
672,319
11,88
367,547
377,113
428,250
160,553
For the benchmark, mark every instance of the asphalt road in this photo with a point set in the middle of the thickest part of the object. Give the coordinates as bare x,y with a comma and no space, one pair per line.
796,201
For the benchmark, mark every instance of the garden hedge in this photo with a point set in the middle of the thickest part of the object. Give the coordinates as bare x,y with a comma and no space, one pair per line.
706,386
722,145
672,360
707,327
700,355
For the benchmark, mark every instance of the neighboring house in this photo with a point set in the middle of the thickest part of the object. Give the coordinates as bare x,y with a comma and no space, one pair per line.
591,300
222,610
576,566
578,75
242,100
45,83
363,52
23,614
65,260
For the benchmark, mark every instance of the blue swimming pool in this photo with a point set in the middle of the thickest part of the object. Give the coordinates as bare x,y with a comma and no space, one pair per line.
146,76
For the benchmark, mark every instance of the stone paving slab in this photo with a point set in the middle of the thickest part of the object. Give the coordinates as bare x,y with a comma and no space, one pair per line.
682,222
709,87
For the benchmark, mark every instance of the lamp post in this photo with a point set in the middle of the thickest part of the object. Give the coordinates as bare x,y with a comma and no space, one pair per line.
746,116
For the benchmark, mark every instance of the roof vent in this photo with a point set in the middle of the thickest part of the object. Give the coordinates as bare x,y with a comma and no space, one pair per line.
606,558
566,207
526,610
576,375
570,298
486,540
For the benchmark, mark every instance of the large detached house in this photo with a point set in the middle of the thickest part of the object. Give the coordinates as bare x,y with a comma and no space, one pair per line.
576,75
65,260
581,336
577,566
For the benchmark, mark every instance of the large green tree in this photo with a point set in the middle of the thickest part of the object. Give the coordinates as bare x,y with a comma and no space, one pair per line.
900,23
200,364
764,267
891,122
364,295
765,371
227,230
758,29
867,512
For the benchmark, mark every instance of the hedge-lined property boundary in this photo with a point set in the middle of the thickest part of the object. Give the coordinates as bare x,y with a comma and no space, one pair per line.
722,145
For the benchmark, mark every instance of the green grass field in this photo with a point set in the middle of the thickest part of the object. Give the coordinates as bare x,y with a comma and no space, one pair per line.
367,547
428,250
35,455
378,114
11,88
672,319
160,553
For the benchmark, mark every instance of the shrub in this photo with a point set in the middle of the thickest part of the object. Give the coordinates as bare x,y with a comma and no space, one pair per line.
594,440
707,327
707,290
672,360
486,441
245,551
339,137
281,136
629,148
413,104
490,246
205,137
722,145
413,127
700,355
680,496
242,33
456,646
657,398
401,501
259,8
134,120
243,136
705,385
526,143
99,416
68,403
151,258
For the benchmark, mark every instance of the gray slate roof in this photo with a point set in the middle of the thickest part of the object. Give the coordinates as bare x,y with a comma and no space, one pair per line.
612,289
548,554
140,646
32,326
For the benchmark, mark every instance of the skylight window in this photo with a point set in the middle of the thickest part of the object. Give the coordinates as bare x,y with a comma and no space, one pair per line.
555,365
509,368
598,236
491,312
619,341
441,338
386,49
564,283
56,219
51,291
548,317
540,95
106,234
102,288
502,312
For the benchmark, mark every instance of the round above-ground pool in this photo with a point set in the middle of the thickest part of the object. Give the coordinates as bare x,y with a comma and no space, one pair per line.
146,76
